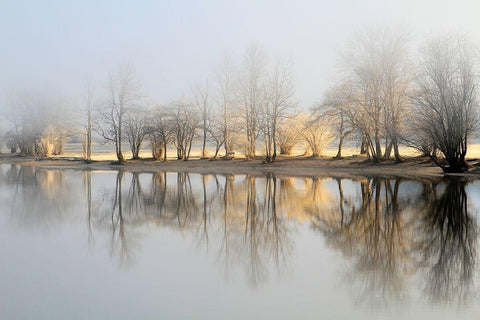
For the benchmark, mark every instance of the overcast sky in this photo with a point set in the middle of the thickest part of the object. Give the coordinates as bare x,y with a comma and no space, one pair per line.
57,46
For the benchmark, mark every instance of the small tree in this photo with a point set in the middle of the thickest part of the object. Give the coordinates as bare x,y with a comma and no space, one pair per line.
315,132
276,105
136,130
202,101
161,131
216,135
337,100
186,122
287,136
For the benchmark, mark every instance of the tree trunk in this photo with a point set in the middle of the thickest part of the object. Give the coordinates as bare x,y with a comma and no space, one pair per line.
216,151
396,151
89,138
363,147
340,145
274,139
388,151
120,156
456,165
204,147
378,149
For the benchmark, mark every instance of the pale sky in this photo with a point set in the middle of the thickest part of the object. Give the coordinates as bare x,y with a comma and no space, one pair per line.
58,45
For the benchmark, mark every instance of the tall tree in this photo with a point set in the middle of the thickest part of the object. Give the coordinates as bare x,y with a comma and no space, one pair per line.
88,110
186,122
251,94
447,102
378,85
225,101
162,129
201,97
123,94
136,129
276,105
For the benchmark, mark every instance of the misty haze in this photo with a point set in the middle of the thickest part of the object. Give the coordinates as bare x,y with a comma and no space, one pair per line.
239,160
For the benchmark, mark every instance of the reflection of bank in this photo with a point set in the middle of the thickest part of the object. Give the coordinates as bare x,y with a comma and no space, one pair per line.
390,230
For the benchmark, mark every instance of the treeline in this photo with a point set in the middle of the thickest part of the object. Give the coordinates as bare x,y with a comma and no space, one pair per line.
429,103
383,97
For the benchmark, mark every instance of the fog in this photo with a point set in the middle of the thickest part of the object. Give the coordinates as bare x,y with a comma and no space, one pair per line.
58,46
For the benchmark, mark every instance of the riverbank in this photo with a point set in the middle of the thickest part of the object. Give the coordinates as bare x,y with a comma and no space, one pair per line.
413,167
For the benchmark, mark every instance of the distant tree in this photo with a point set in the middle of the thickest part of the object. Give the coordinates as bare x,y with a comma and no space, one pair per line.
225,111
123,94
40,124
250,91
186,122
216,135
277,103
136,129
161,131
378,81
287,135
87,112
336,101
202,101
315,132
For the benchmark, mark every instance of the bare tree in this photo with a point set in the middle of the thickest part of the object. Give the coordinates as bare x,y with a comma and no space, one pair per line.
216,135
225,112
161,132
201,97
87,111
136,129
336,101
251,93
379,83
40,124
397,91
315,132
123,91
276,105
186,122
287,136
447,103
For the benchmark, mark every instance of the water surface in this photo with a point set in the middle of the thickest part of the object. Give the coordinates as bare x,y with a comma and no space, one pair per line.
121,245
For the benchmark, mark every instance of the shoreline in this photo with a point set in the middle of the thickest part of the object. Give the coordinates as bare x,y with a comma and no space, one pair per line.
301,166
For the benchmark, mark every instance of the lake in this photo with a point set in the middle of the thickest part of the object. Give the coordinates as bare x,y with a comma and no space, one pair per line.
123,245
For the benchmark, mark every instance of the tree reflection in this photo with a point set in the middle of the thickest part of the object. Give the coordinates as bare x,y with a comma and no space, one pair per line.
389,229
118,215
41,198
389,235
447,245
373,232
87,186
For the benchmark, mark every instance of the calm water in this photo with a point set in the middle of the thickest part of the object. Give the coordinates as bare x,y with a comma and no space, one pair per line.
117,245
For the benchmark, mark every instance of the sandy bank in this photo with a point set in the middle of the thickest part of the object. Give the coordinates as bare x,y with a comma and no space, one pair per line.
413,167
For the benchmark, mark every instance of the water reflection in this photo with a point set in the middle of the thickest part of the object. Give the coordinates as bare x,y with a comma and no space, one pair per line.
447,245
390,231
